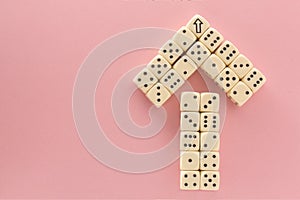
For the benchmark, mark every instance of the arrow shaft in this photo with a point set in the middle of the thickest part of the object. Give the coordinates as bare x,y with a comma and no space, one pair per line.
198,27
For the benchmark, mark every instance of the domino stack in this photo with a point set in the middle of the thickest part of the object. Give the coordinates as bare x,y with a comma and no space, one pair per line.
199,141
197,45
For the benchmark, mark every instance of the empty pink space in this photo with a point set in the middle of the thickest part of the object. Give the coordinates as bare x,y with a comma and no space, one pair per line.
44,43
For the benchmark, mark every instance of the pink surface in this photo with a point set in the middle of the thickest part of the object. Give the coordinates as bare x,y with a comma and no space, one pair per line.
43,44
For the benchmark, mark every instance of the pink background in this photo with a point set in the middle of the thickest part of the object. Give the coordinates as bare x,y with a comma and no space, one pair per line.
43,43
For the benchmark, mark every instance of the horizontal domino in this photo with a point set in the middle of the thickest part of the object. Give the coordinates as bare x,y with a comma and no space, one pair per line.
199,141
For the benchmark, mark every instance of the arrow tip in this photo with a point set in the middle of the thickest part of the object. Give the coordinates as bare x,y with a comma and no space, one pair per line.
198,21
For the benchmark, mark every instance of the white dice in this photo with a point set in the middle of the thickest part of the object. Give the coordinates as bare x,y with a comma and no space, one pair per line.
209,180
189,160
145,80
159,66
190,121
209,141
213,66
240,93
241,66
184,38
210,102
185,67
209,160
227,79
227,52
190,101
198,53
198,25
211,39
158,94
172,81
189,141
170,51
189,180
254,79
209,122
